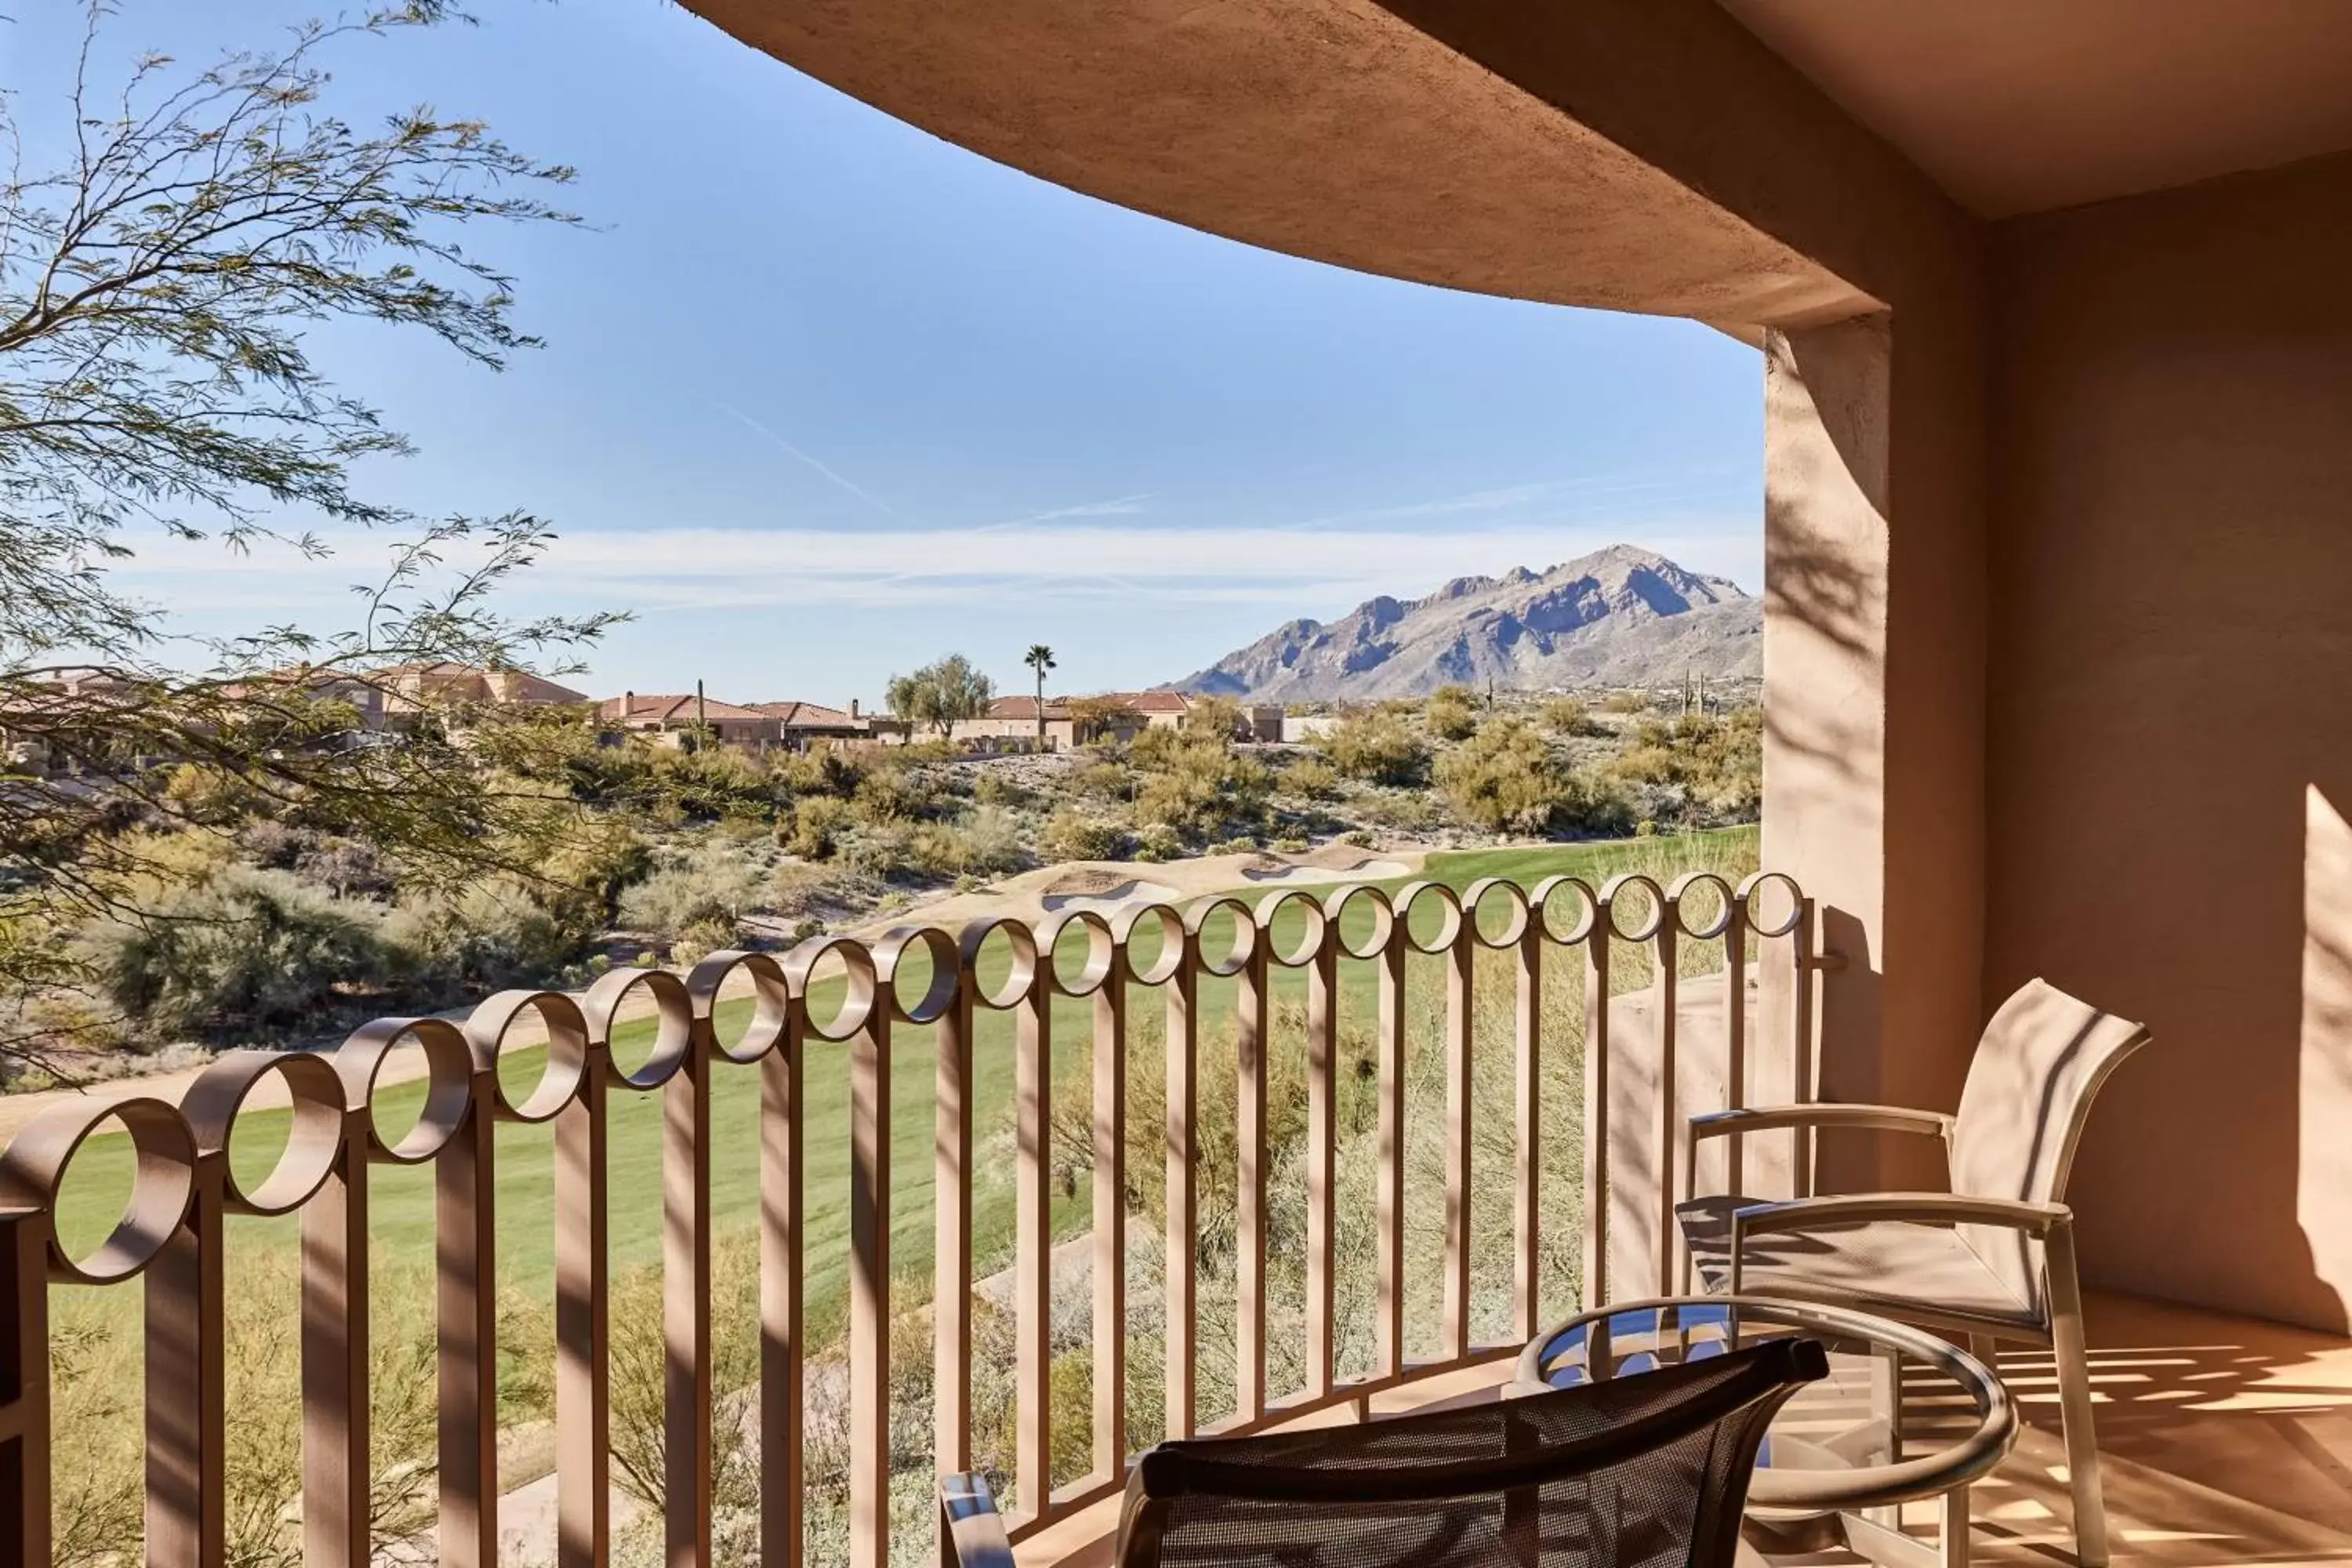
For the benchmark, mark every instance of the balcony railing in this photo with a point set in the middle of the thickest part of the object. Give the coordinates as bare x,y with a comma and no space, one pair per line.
1613,973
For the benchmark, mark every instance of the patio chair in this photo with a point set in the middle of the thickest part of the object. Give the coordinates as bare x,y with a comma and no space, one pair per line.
1649,1469
1993,1258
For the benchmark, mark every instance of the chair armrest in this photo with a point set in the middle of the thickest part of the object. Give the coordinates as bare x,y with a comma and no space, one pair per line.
2028,1214
1765,1118
967,1512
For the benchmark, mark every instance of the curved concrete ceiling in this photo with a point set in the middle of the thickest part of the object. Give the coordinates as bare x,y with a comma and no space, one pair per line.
1328,129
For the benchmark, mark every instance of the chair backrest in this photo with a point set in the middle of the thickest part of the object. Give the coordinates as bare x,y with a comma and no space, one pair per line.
2040,1063
1649,1468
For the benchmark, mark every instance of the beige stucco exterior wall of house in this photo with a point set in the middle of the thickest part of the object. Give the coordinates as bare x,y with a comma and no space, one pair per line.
2171,725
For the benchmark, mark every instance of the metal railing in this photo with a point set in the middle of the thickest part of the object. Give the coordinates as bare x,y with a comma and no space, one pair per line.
170,1234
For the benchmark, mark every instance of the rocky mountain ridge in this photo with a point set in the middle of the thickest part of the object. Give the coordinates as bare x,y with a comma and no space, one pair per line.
1622,615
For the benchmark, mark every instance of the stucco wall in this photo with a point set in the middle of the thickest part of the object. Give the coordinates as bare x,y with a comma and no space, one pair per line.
2170,714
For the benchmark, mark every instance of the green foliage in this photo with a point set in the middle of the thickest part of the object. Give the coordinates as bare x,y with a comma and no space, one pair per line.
1626,702
983,843
1715,763
1566,716
1311,776
942,694
713,886
818,823
1506,778
1071,836
1195,782
1377,748
239,951
990,787
893,793
1451,714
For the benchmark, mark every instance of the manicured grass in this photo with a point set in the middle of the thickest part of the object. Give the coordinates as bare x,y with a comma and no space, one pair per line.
402,1198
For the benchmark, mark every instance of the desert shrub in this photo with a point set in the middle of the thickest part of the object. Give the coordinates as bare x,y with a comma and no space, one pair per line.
880,849
713,783
986,841
712,885
1103,781
1312,776
1158,842
1291,846
892,794
1377,748
1451,714
825,772
1503,777
239,950
1359,837
992,788
1567,716
1626,702
1714,764
494,933
818,823
1070,836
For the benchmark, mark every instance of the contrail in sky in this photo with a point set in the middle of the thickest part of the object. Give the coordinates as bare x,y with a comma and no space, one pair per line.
867,496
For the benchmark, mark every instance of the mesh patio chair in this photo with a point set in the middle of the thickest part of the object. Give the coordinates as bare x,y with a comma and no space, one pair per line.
1993,1258
1649,1470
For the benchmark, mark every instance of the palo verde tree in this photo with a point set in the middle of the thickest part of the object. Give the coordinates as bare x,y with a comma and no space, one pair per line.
1040,658
168,238
941,695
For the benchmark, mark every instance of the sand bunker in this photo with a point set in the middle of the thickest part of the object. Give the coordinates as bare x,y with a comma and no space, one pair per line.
1108,898
1370,870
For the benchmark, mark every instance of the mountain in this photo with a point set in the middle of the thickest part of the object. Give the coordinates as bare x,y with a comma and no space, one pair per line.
1619,616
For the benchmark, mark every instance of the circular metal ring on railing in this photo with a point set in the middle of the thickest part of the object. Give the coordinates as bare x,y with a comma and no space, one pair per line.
772,1001
313,1138
1755,884
567,1050
1617,884
1539,899
858,988
940,995
1514,926
1021,972
33,1170
673,1028
450,1065
1174,940
1449,926
1311,937
1335,909
1679,889
1102,951
1237,958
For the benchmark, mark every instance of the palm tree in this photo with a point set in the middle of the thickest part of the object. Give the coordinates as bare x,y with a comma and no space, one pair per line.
1040,658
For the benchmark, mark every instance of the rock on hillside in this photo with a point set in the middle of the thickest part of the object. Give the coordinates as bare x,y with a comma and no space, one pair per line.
1619,616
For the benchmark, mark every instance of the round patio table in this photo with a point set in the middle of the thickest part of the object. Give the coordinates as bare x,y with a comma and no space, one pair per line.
1839,1461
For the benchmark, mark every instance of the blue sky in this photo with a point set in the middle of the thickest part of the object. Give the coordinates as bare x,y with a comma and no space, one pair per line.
825,397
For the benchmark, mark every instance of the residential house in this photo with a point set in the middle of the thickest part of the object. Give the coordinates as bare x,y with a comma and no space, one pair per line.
674,720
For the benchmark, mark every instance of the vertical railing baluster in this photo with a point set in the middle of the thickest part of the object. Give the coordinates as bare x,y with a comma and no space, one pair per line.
1527,1192
1666,982
1032,1449
1461,962
1182,1199
686,1304
466,1242
1596,1104
24,1434
1322,1155
1251,1017
1110,1220
952,1132
187,1429
870,1291
1388,1327
335,1418
1735,1035
782,1328
1801,1052
584,1419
